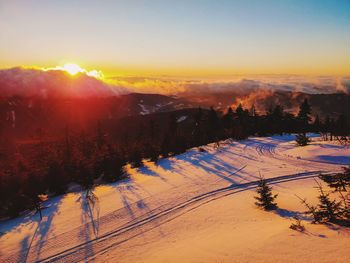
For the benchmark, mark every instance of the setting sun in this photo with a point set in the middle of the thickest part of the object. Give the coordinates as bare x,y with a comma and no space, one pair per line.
121,118
72,69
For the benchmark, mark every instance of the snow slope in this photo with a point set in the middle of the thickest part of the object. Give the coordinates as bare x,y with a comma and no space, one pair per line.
194,207
319,151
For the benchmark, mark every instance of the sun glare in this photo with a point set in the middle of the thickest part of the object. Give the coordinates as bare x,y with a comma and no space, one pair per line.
72,69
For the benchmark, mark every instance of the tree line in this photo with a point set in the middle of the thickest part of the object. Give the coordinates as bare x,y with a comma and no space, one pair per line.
87,158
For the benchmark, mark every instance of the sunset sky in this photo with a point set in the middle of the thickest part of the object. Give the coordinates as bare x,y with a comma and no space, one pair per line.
184,37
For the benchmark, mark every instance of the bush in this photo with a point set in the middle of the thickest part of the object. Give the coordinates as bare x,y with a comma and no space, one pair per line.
302,139
297,226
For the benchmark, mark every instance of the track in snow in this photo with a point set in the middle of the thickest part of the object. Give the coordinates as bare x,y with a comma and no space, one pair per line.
116,227
103,243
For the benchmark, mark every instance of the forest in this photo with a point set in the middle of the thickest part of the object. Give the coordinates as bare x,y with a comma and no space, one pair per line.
31,173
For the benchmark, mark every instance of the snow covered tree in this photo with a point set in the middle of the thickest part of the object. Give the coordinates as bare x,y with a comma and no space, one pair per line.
265,198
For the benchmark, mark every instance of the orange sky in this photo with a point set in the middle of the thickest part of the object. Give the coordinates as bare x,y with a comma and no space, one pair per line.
178,38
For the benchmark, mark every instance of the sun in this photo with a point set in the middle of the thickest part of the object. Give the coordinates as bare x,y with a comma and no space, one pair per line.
72,69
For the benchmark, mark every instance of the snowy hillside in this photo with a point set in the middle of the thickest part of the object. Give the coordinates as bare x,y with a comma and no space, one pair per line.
194,207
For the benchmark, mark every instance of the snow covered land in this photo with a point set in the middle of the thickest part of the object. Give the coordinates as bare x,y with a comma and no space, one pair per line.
194,207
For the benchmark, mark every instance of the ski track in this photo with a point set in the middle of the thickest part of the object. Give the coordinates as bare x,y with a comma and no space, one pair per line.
123,228
103,243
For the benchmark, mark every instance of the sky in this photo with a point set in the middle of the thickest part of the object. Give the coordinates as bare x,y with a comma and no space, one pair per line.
183,37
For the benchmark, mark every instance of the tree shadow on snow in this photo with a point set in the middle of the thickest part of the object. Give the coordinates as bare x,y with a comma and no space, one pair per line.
291,214
43,230
90,217
134,203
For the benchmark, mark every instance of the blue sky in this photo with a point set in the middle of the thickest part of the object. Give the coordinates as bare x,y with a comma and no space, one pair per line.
180,37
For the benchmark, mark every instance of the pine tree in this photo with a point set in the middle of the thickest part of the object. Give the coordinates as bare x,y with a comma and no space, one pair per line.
317,124
341,126
213,124
227,119
311,210
173,125
197,133
338,181
165,147
152,129
68,149
198,117
304,116
136,159
304,112
239,111
302,139
346,209
56,178
154,155
38,201
328,210
111,166
100,136
252,111
266,198
34,190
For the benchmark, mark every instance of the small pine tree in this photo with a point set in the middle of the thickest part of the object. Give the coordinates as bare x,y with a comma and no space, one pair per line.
328,210
266,198
338,181
311,210
302,139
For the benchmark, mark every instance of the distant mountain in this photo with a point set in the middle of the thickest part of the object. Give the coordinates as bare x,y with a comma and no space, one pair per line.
33,101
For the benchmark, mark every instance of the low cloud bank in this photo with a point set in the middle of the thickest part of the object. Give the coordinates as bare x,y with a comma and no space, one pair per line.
242,86
34,82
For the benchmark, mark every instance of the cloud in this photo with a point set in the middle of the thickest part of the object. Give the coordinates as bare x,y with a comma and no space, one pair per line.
34,82
239,85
